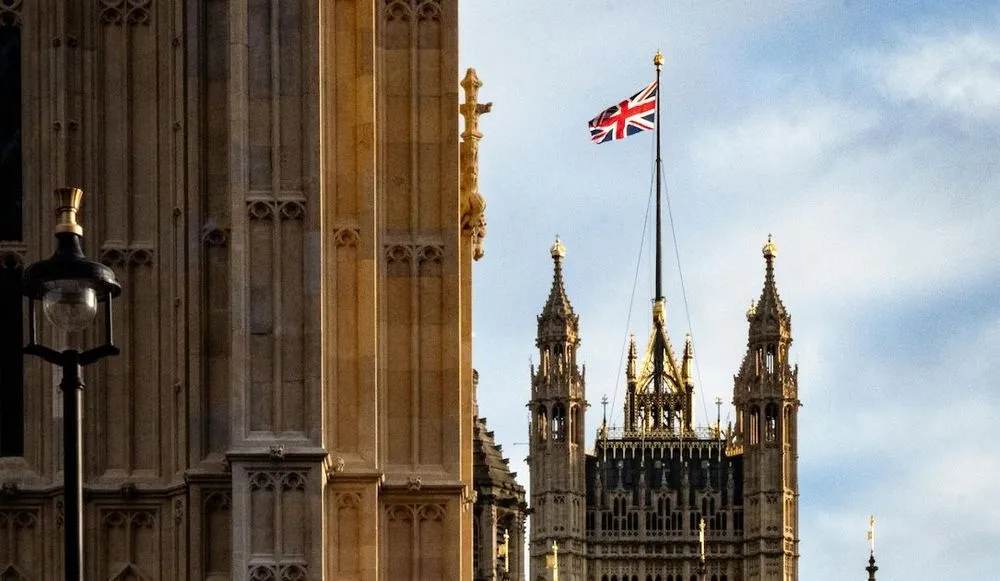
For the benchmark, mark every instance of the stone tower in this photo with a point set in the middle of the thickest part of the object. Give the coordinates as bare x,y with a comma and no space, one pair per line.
278,186
766,399
556,439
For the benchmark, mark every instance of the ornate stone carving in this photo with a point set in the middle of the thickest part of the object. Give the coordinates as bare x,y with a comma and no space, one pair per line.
413,483
292,209
220,500
348,500
260,209
293,481
346,237
407,10
277,572
398,253
293,572
10,13
143,519
18,519
400,512
11,254
262,480
429,10
431,512
286,209
262,573
432,253
118,255
472,205
135,12
215,237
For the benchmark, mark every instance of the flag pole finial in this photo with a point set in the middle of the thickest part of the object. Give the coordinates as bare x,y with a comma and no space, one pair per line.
658,59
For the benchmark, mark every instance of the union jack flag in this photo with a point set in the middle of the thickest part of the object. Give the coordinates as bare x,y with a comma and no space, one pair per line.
635,114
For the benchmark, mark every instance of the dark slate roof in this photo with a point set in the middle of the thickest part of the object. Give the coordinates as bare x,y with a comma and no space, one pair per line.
491,472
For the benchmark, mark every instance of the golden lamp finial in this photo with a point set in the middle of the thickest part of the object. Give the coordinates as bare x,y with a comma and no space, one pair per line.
770,248
67,207
658,59
558,250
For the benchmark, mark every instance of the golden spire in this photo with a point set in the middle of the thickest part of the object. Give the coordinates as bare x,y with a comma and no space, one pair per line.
770,249
658,59
558,250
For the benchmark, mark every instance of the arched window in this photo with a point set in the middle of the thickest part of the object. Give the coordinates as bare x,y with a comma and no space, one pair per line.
558,423
754,426
770,422
786,425
770,358
575,427
542,423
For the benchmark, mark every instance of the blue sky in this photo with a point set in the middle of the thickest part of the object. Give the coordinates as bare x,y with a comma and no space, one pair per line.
866,137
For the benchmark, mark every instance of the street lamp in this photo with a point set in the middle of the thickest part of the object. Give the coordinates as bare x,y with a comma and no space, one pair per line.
71,288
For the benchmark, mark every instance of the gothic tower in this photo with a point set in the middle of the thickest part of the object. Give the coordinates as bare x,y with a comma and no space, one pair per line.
556,458
766,398
280,189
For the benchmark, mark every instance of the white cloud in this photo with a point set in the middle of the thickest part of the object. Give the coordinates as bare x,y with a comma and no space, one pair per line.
787,140
957,73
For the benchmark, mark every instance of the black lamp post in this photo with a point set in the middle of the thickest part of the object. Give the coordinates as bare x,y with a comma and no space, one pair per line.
70,288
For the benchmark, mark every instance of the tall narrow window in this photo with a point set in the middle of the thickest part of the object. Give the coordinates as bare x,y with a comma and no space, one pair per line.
11,359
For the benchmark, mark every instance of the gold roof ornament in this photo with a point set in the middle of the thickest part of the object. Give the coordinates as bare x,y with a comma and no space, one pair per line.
770,249
658,59
558,250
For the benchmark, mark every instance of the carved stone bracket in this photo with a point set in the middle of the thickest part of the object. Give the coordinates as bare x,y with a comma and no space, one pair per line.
134,12
118,255
409,10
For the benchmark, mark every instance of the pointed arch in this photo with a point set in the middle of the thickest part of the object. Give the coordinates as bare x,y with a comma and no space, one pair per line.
558,422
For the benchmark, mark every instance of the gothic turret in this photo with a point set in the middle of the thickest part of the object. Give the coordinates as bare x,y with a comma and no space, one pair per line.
556,439
766,398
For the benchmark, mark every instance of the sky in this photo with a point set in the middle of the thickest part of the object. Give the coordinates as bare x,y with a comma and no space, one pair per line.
865,137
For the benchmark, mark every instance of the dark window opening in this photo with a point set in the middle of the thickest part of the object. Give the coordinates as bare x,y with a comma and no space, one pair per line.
11,303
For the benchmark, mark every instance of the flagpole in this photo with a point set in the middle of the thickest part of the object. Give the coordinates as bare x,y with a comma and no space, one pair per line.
658,306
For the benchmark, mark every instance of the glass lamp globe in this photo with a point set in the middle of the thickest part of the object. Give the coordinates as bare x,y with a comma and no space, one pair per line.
70,305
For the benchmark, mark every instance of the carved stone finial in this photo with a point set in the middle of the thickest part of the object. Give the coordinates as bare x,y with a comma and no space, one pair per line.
472,203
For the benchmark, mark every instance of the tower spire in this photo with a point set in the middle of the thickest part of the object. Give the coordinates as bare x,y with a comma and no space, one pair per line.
558,302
